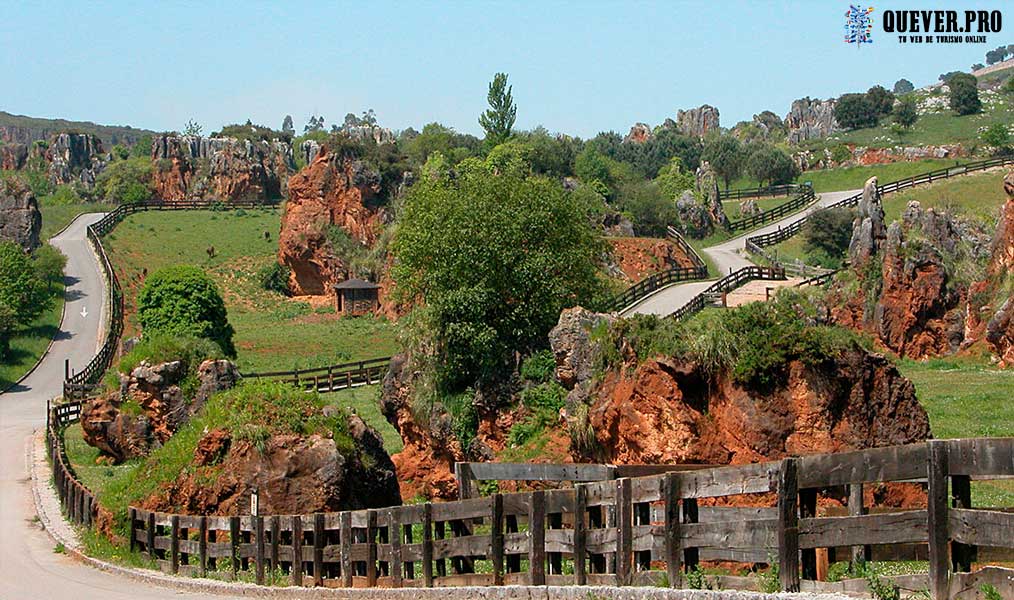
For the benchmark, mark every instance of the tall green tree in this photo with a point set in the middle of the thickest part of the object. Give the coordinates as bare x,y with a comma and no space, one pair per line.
498,120
23,294
725,154
964,98
495,258
771,166
905,113
854,111
903,86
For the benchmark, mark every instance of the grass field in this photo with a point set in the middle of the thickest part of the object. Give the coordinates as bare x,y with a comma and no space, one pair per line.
853,178
365,402
272,332
731,207
28,343
965,397
56,216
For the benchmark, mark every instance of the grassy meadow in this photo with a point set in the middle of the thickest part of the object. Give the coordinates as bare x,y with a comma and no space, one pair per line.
273,332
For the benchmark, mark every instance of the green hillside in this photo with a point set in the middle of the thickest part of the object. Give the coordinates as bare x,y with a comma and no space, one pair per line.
25,130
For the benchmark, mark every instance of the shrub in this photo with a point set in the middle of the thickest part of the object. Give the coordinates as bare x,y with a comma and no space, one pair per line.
64,195
648,208
854,111
183,300
539,366
126,181
905,113
544,402
49,263
23,294
964,98
998,137
828,230
275,278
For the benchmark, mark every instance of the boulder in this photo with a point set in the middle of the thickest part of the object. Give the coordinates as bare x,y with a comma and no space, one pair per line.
20,219
697,122
332,191
707,190
810,119
116,435
748,208
576,356
1000,334
639,133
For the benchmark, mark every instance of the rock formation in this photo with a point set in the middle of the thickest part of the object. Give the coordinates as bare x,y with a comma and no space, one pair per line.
75,157
663,411
810,119
697,122
20,219
999,329
332,191
13,156
157,391
227,169
868,230
701,211
639,133
292,474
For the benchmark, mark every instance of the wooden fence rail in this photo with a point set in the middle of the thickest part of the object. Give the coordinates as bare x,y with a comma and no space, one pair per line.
804,197
727,284
627,531
331,378
758,192
650,284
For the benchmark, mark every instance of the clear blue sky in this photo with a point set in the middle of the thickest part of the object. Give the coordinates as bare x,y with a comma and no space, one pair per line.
577,67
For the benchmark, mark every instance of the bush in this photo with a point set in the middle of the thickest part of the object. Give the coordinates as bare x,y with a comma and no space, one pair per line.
648,208
854,111
998,137
64,195
828,231
275,278
49,263
905,113
182,300
544,402
23,294
539,366
964,98
881,100
126,181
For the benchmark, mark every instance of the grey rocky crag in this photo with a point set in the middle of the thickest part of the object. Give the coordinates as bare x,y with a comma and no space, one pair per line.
577,356
810,119
701,211
75,157
868,229
698,121
20,219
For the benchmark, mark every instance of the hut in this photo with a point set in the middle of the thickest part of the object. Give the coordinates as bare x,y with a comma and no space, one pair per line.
356,297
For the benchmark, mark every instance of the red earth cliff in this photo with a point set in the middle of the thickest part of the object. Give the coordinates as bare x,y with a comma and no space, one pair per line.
639,257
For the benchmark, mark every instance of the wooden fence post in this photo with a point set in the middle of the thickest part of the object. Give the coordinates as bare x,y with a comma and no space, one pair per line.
537,538
962,555
234,543
691,556
276,532
318,549
936,472
371,548
857,508
808,510
394,535
427,545
672,529
624,532
202,545
580,534
496,538
133,528
788,526
150,531
259,548
297,550
345,523
174,544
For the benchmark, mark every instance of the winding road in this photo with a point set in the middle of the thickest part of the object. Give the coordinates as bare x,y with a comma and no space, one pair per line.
29,568
727,256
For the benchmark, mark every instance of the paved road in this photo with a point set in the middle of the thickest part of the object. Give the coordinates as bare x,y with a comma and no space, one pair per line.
28,567
728,256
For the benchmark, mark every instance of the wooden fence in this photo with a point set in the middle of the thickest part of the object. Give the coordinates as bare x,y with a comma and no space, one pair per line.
628,531
758,192
727,284
79,384
804,197
656,281
331,378
784,233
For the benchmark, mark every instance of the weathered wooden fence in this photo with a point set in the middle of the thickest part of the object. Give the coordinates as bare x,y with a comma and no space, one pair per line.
758,192
331,378
628,531
804,196
727,284
79,384
655,281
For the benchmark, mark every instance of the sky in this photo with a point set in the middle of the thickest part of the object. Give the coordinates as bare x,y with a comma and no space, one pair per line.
576,67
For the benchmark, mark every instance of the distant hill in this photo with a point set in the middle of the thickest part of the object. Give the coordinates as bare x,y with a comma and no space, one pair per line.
25,130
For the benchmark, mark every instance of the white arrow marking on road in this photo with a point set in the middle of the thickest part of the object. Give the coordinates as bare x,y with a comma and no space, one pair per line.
84,312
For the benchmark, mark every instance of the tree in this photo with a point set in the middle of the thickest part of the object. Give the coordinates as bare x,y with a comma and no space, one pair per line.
673,179
316,123
998,137
771,166
650,208
881,100
827,233
126,181
905,113
978,66
903,86
964,98
854,111
998,54
495,258
183,300
287,126
23,294
192,128
49,263
499,119
725,154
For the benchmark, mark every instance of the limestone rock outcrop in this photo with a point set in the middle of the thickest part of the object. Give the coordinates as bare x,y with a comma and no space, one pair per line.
226,169
701,211
292,474
75,157
20,219
332,191
868,230
810,119
698,121
13,156
639,133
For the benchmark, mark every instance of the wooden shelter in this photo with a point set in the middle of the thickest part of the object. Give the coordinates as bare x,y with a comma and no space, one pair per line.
356,297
